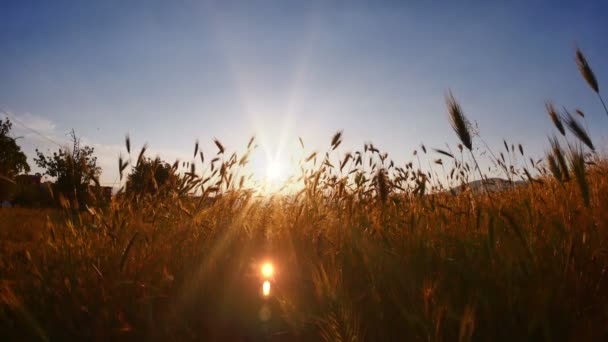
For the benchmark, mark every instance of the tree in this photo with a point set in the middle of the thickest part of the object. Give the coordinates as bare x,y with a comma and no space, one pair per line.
74,170
12,160
150,176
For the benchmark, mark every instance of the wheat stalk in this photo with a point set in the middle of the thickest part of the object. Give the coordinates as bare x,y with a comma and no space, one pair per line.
585,69
576,159
555,117
461,126
578,130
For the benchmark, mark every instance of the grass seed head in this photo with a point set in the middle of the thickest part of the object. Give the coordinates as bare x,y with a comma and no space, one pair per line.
555,117
586,72
459,122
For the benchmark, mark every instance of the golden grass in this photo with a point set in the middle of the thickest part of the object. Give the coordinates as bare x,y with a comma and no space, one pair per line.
523,263
367,249
21,227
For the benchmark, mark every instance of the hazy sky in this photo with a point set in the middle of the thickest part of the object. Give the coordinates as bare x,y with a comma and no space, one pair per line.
173,71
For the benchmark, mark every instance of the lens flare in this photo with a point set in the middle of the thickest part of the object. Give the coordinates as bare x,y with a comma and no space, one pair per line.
267,270
266,288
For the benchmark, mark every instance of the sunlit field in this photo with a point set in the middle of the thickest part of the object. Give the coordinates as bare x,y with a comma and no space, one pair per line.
343,247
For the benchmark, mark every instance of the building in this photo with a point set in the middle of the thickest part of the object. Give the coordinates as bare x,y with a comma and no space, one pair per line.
29,180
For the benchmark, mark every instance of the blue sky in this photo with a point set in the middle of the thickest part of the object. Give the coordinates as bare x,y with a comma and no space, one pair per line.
171,72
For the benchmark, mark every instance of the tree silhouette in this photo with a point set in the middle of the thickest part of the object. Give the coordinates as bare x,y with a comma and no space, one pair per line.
150,176
74,170
12,160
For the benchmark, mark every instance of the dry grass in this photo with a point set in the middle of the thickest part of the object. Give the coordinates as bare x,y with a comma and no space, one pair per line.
21,229
526,263
368,249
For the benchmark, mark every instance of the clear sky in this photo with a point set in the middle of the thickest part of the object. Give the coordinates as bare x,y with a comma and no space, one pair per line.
169,72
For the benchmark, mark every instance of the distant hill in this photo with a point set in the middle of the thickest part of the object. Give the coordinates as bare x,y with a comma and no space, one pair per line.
491,184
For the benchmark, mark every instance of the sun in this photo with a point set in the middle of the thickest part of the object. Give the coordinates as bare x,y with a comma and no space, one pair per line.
275,170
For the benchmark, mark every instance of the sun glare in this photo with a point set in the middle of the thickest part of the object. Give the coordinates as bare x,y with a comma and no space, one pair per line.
275,170
266,288
267,270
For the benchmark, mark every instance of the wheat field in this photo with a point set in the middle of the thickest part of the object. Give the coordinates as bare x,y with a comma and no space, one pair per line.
365,248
